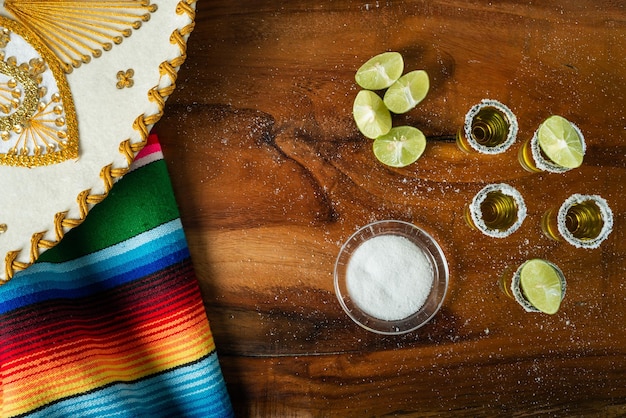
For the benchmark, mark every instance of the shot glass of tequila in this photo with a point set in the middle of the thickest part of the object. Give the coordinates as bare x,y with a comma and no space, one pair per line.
557,146
490,128
537,285
582,220
497,210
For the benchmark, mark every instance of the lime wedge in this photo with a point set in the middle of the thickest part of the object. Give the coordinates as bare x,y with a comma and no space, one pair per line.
541,285
380,71
370,114
402,146
407,92
561,142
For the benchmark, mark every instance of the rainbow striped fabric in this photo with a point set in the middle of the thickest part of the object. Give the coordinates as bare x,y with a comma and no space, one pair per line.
111,322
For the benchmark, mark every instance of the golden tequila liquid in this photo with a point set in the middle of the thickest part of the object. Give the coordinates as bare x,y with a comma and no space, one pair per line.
584,220
533,159
490,127
505,283
580,220
549,224
526,158
497,210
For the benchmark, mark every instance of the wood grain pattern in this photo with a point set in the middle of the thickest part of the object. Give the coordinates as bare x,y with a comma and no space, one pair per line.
272,177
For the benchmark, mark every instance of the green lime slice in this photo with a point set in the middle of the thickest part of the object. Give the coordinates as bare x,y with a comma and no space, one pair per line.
407,92
370,114
541,285
561,142
402,146
381,71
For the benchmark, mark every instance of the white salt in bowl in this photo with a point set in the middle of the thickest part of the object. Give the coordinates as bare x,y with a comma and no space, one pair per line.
391,277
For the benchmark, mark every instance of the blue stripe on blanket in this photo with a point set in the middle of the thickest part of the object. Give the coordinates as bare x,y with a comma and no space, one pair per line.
110,267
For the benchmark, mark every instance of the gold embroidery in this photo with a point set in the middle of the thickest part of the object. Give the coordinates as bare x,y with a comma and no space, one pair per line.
10,95
125,78
24,110
76,31
39,125
5,37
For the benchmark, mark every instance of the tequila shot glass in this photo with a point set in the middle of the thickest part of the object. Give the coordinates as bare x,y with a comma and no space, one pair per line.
584,221
497,210
490,128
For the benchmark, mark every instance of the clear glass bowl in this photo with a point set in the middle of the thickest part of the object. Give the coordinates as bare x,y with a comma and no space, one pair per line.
434,256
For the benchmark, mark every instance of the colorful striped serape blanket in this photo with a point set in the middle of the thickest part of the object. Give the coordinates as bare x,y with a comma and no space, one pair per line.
110,322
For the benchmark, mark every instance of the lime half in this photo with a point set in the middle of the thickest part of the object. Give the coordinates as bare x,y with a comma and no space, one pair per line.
402,146
561,142
370,114
380,71
407,92
541,285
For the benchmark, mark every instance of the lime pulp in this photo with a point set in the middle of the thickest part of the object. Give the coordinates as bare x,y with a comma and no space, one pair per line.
561,142
541,285
407,92
400,147
370,114
381,71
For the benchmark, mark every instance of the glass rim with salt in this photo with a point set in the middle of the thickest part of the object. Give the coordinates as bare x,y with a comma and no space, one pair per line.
378,299
475,215
561,219
499,129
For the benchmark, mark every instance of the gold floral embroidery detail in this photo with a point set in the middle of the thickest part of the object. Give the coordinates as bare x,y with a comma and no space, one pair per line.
36,67
44,133
10,95
38,123
77,30
26,94
5,37
125,78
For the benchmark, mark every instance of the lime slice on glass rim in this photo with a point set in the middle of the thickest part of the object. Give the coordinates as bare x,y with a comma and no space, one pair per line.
381,71
400,147
561,142
541,285
407,92
370,114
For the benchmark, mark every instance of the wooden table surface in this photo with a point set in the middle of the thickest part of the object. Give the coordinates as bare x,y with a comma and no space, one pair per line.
272,176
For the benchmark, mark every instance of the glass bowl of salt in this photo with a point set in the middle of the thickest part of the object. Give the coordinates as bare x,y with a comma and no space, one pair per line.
391,277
